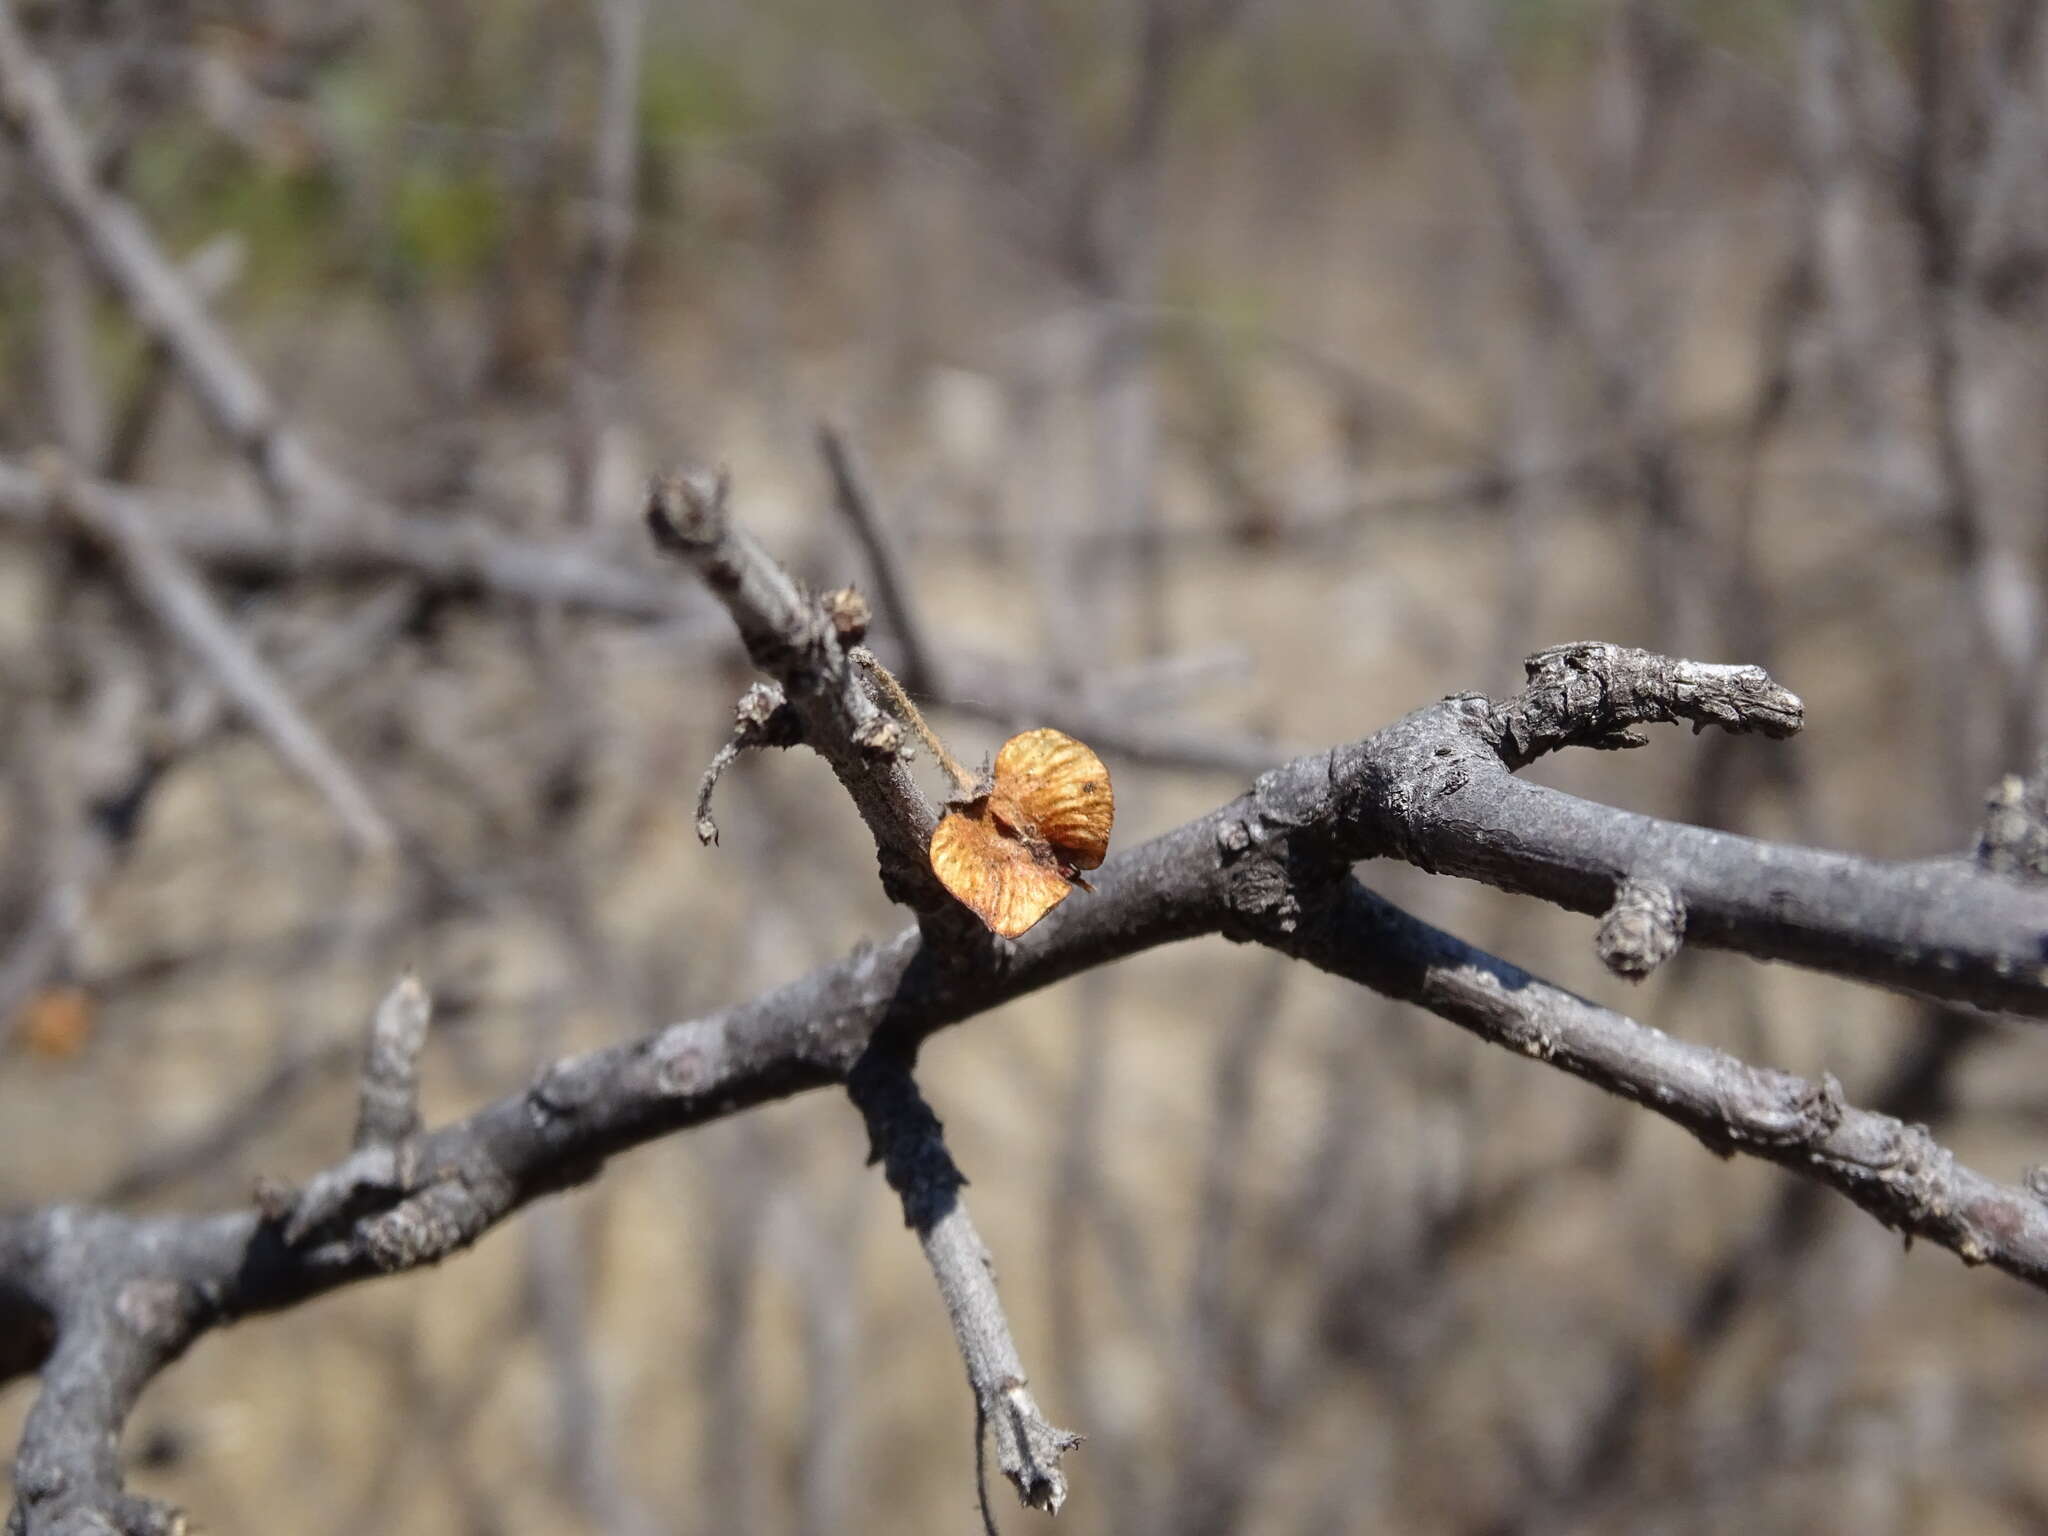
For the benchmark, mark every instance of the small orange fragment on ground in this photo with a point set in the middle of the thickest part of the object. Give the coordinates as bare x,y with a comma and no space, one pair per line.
56,1022
1011,855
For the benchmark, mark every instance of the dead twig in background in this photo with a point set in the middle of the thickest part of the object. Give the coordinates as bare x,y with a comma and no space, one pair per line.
163,302
166,586
607,240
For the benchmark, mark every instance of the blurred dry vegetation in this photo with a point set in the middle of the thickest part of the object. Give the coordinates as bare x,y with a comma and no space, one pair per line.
1250,375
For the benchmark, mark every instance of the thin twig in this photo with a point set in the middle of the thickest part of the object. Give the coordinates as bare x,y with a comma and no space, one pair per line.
455,556
856,503
607,239
120,244
761,719
905,1138
166,585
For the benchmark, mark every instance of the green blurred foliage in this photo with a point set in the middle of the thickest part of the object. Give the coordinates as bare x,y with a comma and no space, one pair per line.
192,188
688,96
445,221
1563,37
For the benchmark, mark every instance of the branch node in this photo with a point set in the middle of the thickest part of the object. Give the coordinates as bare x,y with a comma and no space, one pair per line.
427,1227
1642,929
2013,838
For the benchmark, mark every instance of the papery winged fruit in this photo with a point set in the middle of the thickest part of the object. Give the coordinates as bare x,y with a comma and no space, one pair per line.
1012,854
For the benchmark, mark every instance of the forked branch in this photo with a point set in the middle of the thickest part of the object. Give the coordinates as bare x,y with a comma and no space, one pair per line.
100,1301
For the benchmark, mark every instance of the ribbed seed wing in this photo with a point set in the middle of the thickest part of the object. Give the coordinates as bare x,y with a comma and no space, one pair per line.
1062,787
993,874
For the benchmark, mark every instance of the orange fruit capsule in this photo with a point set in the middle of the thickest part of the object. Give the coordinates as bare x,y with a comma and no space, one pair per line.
1012,854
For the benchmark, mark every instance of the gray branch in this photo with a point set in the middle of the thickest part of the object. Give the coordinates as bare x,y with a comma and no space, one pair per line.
100,1301
1895,1171
1437,789
906,1139
856,504
168,588
161,298
455,556
792,637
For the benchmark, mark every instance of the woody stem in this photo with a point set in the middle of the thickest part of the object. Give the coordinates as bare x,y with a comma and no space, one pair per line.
912,716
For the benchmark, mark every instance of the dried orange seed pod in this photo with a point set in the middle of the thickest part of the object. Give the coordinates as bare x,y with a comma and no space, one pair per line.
1011,855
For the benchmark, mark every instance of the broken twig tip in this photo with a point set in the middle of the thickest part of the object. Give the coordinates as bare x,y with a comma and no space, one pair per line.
1642,929
686,509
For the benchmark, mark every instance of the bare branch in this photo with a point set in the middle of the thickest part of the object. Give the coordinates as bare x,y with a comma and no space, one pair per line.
1271,867
33,114
1243,869
791,637
607,239
1442,796
851,496
167,587
1896,1172
459,556
905,1137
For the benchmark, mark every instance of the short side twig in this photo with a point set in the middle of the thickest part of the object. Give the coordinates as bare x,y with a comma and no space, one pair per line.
386,1153
390,1112
165,585
33,113
762,718
1590,694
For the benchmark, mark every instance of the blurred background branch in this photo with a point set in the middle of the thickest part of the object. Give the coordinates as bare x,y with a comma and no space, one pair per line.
1212,381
